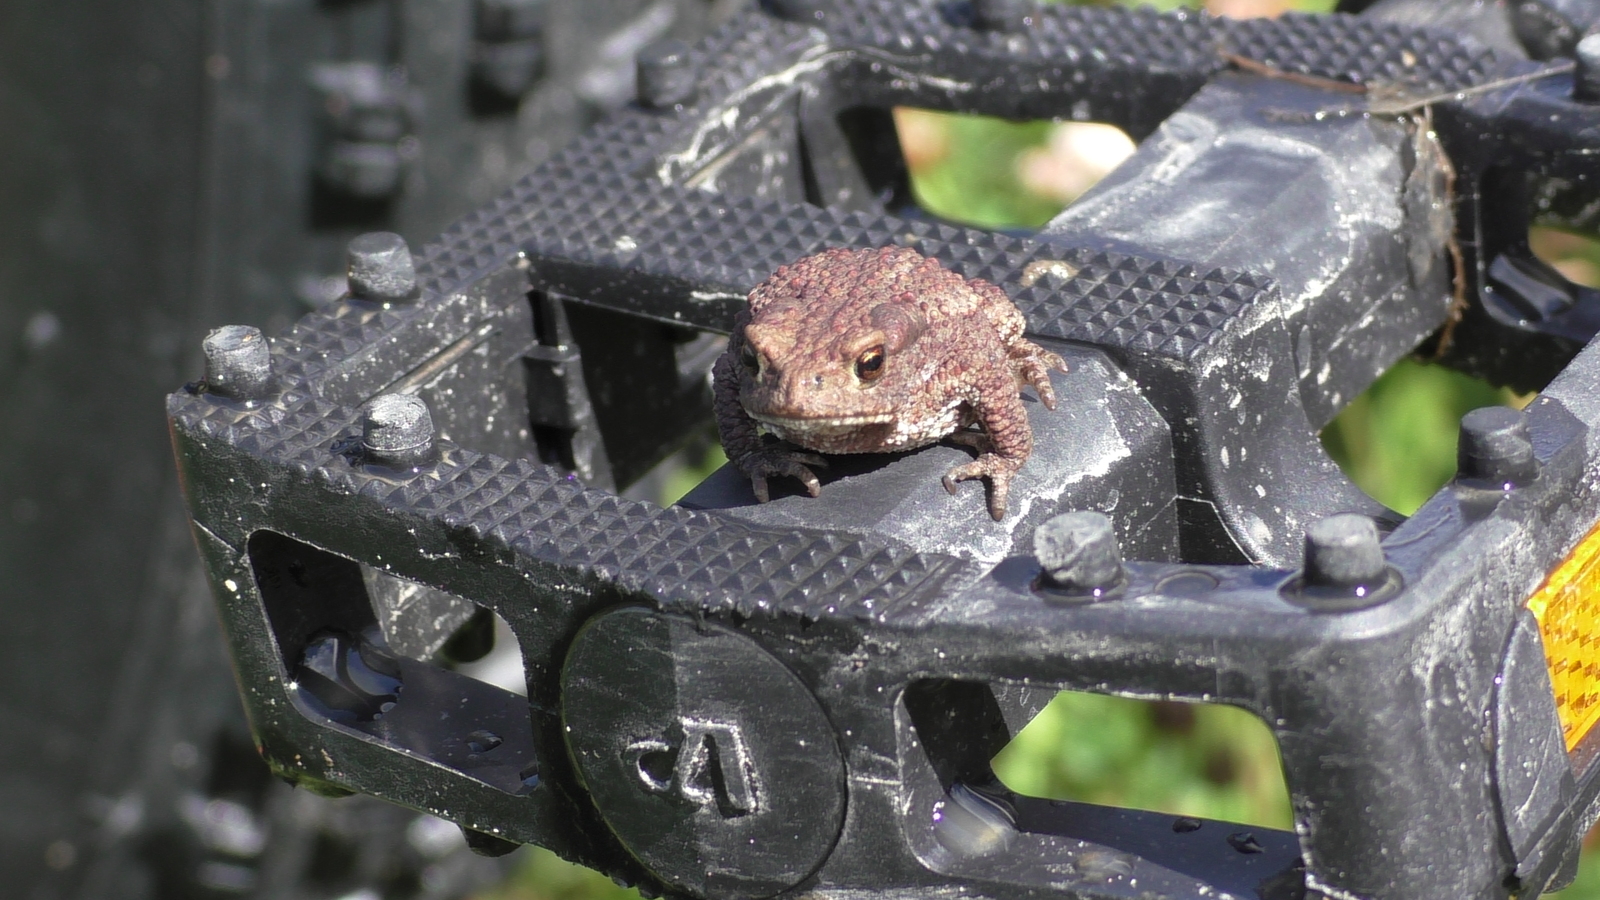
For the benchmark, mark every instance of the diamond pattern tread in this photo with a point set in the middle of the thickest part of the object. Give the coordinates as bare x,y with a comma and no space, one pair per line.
617,221
608,222
686,560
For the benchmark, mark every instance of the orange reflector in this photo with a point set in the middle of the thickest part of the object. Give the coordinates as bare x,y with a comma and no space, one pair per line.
1567,606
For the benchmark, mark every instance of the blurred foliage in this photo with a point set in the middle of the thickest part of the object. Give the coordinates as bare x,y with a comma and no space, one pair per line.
1191,759
965,167
970,174
541,875
1575,255
1587,885
702,463
1397,441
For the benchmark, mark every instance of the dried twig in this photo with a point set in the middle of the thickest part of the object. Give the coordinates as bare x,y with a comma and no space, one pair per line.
1257,67
1401,104
1383,99
1458,265
1391,100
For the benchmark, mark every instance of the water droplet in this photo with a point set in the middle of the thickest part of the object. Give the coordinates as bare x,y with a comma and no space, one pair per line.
42,330
184,755
482,741
1244,842
1104,865
1184,824
1187,584
60,855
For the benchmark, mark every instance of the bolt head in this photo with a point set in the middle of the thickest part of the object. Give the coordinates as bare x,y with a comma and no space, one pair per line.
1343,551
664,74
1000,15
1496,448
362,170
384,121
1588,50
1586,80
381,268
238,362
1079,553
508,69
509,20
397,429
804,12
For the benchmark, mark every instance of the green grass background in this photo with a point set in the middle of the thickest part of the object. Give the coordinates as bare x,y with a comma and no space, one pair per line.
1397,441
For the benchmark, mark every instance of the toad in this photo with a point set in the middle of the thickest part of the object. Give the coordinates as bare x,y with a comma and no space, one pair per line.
873,351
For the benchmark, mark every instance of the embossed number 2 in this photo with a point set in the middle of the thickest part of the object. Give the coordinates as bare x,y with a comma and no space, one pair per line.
710,766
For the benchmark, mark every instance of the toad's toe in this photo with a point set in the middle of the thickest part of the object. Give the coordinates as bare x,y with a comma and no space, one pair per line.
782,464
997,469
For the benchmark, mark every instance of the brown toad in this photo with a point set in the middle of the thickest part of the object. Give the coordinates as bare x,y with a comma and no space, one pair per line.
871,351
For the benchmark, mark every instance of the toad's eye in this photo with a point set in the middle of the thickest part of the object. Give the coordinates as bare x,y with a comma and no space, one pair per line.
752,363
869,365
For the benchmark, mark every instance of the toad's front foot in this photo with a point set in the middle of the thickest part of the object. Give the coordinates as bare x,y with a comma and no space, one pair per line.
994,467
1032,364
777,463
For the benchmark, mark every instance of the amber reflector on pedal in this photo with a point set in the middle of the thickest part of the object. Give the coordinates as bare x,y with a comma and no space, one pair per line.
1567,606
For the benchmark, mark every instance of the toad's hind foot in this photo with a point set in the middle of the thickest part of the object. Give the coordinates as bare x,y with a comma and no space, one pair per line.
997,469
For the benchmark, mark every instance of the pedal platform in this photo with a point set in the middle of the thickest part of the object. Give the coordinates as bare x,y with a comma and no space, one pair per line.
734,700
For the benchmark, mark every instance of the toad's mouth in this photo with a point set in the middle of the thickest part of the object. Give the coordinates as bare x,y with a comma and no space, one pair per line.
812,423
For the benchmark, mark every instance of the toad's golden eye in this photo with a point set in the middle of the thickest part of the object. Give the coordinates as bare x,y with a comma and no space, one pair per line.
869,365
748,356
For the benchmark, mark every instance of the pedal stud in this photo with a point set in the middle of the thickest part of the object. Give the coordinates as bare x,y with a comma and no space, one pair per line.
397,429
238,363
1079,553
1343,551
664,76
380,268
1495,448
